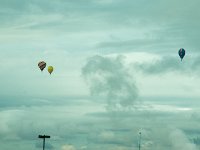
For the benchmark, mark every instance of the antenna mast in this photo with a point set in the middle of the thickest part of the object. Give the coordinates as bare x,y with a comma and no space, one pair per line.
140,134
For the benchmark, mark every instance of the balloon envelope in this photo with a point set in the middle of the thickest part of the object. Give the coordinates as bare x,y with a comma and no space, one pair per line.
41,65
50,69
181,53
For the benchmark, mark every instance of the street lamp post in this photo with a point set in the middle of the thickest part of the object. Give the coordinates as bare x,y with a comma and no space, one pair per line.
43,137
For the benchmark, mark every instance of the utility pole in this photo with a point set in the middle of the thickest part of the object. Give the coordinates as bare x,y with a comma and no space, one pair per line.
140,134
43,137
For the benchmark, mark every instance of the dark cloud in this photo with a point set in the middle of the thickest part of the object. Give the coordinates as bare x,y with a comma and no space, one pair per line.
93,14
146,44
21,101
18,101
167,64
108,77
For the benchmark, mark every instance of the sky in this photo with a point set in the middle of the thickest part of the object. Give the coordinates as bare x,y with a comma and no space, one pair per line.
116,73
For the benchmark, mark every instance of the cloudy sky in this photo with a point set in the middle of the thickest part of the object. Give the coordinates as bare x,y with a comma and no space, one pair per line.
116,73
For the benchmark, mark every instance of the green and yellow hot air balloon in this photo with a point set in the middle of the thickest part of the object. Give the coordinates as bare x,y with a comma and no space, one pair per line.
50,69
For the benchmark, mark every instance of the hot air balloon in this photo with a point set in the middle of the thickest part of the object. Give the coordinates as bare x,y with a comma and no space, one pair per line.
50,69
181,53
41,65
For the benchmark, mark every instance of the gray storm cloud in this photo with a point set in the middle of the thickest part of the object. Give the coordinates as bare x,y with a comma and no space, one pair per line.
170,64
108,78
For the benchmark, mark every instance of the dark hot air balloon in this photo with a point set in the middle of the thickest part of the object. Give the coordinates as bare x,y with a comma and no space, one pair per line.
42,65
181,53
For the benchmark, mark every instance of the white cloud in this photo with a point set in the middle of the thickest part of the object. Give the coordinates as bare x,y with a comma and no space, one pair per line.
107,135
68,147
180,141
